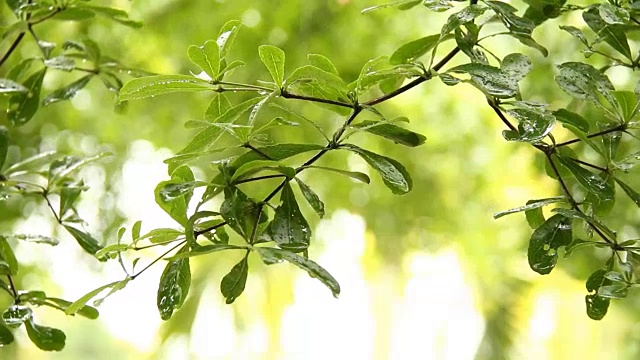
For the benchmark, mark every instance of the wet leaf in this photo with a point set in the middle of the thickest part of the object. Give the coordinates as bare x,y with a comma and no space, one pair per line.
6,337
177,206
232,284
15,315
531,204
312,198
583,81
394,175
8,261
68,196
273,256
4,145
240,212
570,118
161,235
590,181
401,4
67,92
8,86
174,286
87,311
22,106
289,229
462,17
392,132
79,304
273,58
64,63
206,249
631,193
45,338
613,291
516,65
611,34
626,105
612,14
227,36
415,49
253,167
533,125
356,175
39,239
86,241
545,241
489,79
150,86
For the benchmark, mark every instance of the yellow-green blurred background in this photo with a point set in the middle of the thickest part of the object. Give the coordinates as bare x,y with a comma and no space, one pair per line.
428,275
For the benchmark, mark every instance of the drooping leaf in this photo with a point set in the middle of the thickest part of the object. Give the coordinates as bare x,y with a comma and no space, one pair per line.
174,286
86,241
273,58
232,284
597,306
150,86
531,204
77,305
273,256
626,104
87,311
68,196
67,92
23,105
8,261
590,181
631,192
577,33
545,241
392,132
6,337
44,337
289,229
312,198
240,212
206,57
394,175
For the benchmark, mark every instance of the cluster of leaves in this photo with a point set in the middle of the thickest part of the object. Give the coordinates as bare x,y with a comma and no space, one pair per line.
234,212
48,176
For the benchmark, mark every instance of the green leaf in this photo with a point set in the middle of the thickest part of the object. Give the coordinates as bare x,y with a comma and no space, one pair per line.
39,239
626,105
151,86
583,81
545,241
116,15
516,65
68,196
22,106
45,338
531,204
227,36
611,34
240,212
4,145
535,217
172,191
437,5
8,86
206,249
312,198
232,284
67,92
62,62
356,175
256,166
415,49
324,63
135,230
401,4
597,306
15,315
86,241
576,244
87,311
174,286
176,207
206,57
273,58
218,106
289,229
577,33
533,125
30,164
511,21
590,181
613,291
394,175
631,193
392,132
330,85
612,14
8,261
489,79
272,256
110,251
162,235
79,304
570,118
61,168
466,15
586,218
6,337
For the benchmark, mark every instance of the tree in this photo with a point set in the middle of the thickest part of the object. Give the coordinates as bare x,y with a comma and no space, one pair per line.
253,194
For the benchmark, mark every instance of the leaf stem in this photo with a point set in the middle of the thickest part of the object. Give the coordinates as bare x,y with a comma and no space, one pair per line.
13,287
157,259
620,127
287,95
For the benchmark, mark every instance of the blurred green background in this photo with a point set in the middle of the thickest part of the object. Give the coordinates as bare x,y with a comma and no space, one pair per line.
428,275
